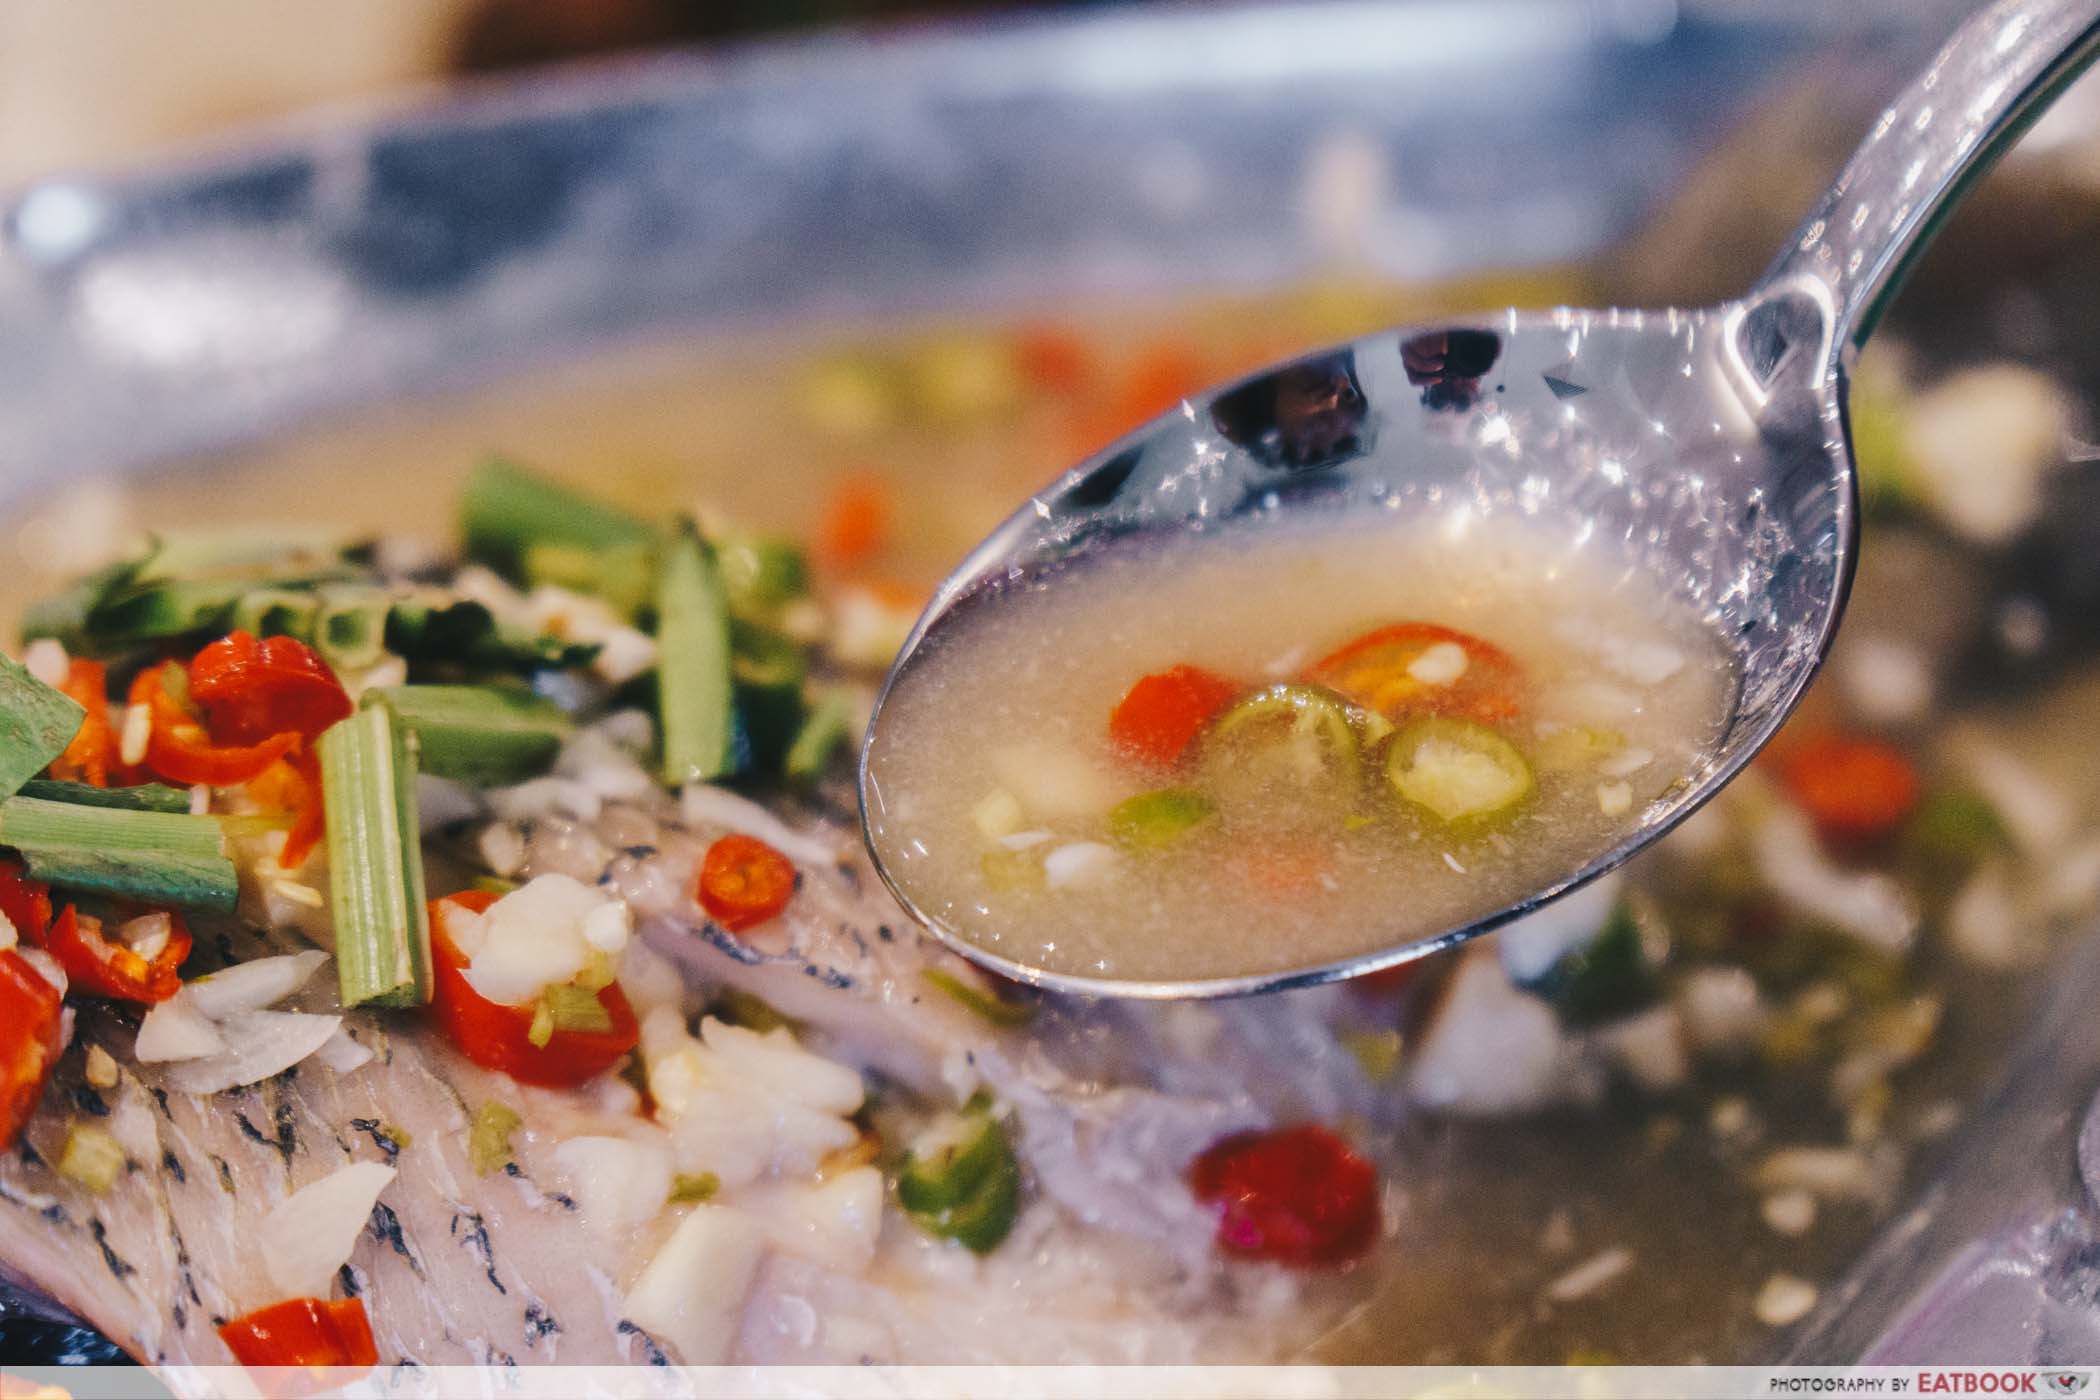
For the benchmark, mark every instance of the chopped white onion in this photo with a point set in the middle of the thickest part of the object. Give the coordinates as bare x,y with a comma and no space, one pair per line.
833,1222
532,938
176,1029
308,1236
255,984
46,966
261,1044
692,1293
1080,863
720,807
1440,664
343,1052
46,659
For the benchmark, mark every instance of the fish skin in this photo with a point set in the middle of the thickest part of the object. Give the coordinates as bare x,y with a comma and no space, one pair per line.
1110,1101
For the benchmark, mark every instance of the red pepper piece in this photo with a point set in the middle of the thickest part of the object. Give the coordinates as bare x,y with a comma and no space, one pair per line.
1373,671
497,1036
92,754
1161,715
743,882
30,1025
1296,1196
1855,789
179,751
252,691
24,902
99,966
303,1332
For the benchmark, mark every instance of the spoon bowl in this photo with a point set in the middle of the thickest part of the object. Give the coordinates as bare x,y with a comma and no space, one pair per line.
1706,450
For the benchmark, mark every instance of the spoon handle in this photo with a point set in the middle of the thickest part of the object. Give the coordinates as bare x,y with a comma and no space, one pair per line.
1992,79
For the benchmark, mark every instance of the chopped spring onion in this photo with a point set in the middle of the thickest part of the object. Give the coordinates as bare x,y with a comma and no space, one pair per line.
961,1181
767,668
1461,773
488,1142
690,1189
277,612
693,681
984,1004
622,575
92,1158
36,724
823,733
188,585
146,797
762,573
350,627
506,510
466,634
481,735
1155,819
152,857
375,860
753,1012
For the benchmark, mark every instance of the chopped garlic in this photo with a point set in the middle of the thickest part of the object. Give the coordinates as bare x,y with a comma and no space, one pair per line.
536,936
299,893
1614,799
46,659
1784,1300
1441,664
1591,1276
8,936
502,849
1626,763
101,1069
1789,1213
138,730
998,815
1080,863
607,927
45,965
147,935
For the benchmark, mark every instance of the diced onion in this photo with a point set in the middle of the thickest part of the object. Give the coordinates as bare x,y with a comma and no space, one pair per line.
176,1029
261,1044
255,984
618,1183
308,1236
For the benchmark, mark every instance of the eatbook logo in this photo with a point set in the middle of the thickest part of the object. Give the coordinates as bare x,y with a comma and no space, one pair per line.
2066,1382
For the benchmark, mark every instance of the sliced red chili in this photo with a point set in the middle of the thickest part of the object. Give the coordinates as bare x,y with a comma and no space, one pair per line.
178,749
744,882
97,965
31,1024
1854,789
1295,1196
92,754
1375,671
498,1036
24,902
1160,716
303,1332
252,691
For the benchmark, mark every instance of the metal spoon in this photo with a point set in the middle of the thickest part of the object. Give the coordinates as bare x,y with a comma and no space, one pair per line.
1712,443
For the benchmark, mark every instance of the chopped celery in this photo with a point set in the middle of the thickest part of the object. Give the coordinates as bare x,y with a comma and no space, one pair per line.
92,1158
350,626
961,1181
149,856
693,668
36,724
984,1004
375,860
146,797
1152,820
488,1141
689,1188
826,730
482,735
506,510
